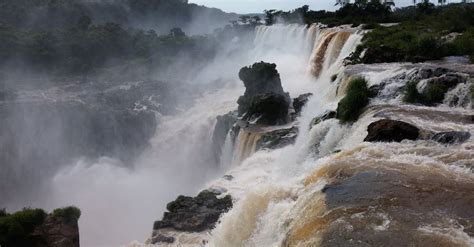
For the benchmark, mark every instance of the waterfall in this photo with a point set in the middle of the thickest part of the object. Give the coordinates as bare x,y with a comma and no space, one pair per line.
310,194
247,144
313,51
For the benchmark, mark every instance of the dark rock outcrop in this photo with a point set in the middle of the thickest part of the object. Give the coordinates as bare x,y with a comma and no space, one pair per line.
300,101
36,228
223,126
325,116
57,232
277,138
264,99
194,214
451,137
159,238
387,130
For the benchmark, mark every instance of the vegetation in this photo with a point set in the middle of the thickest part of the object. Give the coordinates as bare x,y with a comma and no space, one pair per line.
411,92
430,33
15,229
424,32
357,97
62,38
432,94
67,214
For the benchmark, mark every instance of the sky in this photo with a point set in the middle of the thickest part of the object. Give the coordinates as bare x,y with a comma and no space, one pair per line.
257,6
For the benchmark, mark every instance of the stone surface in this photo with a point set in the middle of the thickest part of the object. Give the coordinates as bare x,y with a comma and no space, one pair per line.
194,214
325,116
56,232
264,100
223,126
387,130
300,101
278,138
451,137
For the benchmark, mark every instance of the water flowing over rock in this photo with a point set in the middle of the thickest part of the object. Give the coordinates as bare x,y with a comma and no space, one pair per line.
277,138
386,130
451,137
300,101
264,100
223,126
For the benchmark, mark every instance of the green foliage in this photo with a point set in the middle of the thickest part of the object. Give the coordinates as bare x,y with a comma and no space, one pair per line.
411,92
421,36
15,229
357,97
67,214
432,94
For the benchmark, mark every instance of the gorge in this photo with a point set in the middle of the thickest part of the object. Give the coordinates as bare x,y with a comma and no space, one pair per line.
277,139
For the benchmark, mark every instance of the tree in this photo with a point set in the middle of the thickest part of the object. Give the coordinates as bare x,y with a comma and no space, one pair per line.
177,33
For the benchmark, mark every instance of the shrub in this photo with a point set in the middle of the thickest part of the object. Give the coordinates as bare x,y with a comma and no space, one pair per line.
357,97
67,214
434,93
15,229
411,92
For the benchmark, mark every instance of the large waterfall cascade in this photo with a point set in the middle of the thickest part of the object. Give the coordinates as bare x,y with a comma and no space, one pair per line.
284,197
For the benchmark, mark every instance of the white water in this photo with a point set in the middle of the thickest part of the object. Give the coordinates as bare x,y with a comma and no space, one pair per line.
120,205
275,203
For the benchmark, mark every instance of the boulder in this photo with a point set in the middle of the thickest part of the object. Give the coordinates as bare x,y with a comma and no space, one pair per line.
326,115
387,130
264,100
194,214
451,137
223,126
159,238
300,101
277,138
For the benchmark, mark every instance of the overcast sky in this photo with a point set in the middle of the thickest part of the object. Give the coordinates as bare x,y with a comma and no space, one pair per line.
257,6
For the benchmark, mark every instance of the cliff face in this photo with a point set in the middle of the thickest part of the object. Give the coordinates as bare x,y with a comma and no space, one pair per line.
35,228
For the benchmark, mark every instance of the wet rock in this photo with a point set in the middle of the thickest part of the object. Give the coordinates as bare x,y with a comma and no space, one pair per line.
194,214
300,101
278,138
223,126
325,116
228,177
387,130
159,238
451,137
57,231
425,73
264,100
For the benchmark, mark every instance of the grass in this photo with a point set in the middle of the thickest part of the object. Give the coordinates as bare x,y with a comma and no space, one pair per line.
357,97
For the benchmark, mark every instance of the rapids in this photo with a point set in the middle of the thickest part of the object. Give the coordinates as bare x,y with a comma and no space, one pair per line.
416,193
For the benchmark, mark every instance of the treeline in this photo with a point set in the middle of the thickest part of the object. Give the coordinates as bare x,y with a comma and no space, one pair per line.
64,38
429,33
85,49
160,15
417,33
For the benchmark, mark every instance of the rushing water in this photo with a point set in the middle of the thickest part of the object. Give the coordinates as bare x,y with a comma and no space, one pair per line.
416,193
305,194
